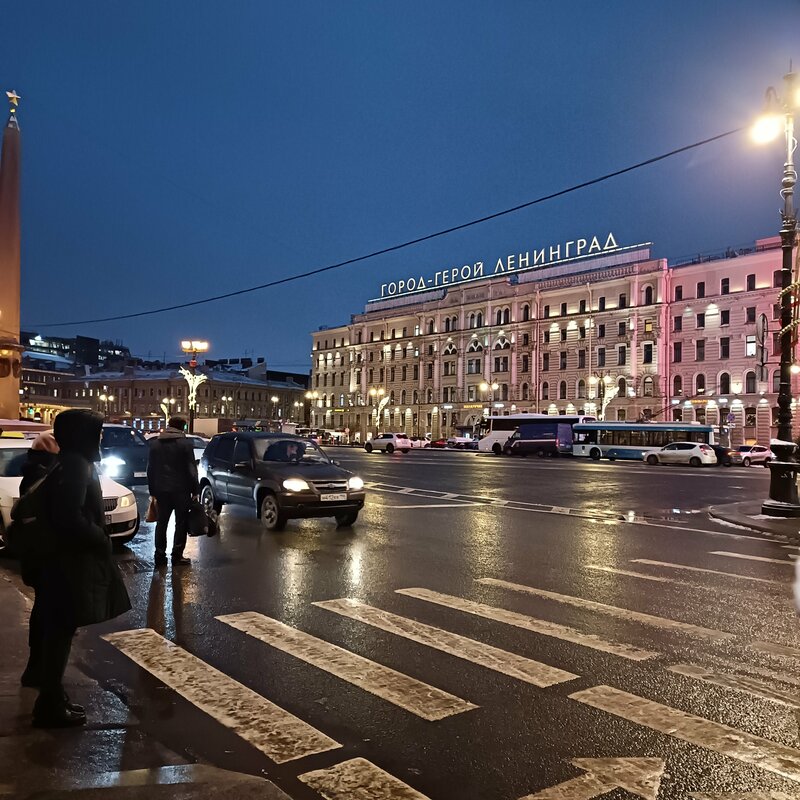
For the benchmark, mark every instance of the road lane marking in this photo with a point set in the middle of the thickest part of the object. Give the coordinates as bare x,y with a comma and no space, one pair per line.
703,570
748,557
532,624
765,795
438,505
485,655
358,779
772,675
275,732
638,776
775,649
616,571
763,753
737,683
613,611
408,693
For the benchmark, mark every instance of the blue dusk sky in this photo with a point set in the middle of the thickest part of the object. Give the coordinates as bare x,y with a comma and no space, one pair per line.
176,150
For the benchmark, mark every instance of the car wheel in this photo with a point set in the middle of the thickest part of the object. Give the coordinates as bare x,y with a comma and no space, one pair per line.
540,453
405,450
497,449
766,462
390,448
368,447
208,501
595,454
271,514
652,460
694,461
346,520
746,462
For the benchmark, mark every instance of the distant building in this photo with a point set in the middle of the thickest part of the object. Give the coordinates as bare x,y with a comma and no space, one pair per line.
619,335
78,350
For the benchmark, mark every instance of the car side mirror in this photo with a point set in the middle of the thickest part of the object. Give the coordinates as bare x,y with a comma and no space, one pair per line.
334,461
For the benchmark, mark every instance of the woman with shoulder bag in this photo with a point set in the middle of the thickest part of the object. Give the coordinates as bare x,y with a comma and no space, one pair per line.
80,584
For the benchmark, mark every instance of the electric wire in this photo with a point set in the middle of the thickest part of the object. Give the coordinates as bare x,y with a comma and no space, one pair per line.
396,247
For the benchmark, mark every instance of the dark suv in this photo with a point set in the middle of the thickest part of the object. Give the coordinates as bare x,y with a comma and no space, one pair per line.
285,477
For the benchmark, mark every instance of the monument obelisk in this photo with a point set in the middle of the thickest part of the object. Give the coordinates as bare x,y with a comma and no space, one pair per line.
10,348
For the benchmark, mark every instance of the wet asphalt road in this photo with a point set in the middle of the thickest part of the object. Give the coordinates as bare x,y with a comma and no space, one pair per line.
495,532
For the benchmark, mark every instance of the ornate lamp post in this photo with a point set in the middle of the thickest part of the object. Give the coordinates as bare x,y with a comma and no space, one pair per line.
193,347
106,399
167,405
780,111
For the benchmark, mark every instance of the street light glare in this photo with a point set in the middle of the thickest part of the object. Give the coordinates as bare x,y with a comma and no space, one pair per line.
766,128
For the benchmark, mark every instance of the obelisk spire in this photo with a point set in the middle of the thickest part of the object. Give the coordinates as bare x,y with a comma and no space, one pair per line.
10,348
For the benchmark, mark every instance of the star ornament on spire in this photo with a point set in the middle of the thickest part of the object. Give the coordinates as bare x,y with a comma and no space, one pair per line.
14,99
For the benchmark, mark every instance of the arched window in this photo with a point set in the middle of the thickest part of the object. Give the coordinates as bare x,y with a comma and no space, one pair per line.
750,417
581,388
403,397
647,387
449,350
431,326
416,397
562,390
454,324
504,391
776,381
506,316
447,325
648,296
475,346
498,317
775,412
526,312
472,320
502,344
479,320
545,391
430,395
750,383
677,386
623,387
524,391
724,383
391,398
700,384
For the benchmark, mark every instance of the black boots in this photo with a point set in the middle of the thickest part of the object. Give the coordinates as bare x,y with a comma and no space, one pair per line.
57,712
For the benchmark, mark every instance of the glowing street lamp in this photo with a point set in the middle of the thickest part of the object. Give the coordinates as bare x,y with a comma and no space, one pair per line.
193,347
780,112
484,386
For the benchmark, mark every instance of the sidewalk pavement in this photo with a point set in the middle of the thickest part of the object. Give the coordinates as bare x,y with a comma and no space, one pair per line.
111,758
748,515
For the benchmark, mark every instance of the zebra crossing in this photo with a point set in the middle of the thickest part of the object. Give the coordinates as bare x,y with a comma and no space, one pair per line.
284,737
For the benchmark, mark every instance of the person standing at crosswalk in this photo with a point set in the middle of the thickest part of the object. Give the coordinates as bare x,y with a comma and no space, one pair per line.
172,480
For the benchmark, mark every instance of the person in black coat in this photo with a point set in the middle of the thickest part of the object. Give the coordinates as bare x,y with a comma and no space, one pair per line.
172,480
81,584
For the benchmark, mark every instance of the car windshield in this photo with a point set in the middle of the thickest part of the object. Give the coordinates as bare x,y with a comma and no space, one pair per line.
122,437
196,441
289,451
12,459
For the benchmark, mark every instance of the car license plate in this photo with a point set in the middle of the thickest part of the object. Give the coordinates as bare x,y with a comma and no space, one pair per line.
108,519
333,497
139,474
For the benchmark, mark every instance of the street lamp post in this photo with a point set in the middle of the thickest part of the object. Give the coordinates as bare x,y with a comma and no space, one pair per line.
106,399
193,347
274,400
376,393
783,498
166,408
485,387
312,397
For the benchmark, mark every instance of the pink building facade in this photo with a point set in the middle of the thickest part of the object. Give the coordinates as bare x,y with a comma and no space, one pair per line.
621,336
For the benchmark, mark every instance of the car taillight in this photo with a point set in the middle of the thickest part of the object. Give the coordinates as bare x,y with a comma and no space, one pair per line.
705,448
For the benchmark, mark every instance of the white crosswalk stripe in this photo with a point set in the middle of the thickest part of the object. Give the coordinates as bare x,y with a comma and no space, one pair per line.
775,649
631,574
748,557
484,655
275,732
763,753
359,779
531,624
408,693
614,611
688,568
738,683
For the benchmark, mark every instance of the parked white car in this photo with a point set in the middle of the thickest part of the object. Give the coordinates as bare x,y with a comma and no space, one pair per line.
389,442
417,441
693,453
122,515
755,454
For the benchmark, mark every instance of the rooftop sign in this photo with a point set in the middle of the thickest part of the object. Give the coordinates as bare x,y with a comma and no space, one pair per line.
515,262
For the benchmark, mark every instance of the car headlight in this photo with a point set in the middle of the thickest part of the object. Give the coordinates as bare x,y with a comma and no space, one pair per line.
111,466
295,485
127,500
355,483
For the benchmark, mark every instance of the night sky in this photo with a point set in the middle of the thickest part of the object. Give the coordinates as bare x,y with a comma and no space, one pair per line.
176,150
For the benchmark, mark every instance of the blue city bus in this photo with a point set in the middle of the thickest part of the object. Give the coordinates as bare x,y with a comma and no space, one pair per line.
632,440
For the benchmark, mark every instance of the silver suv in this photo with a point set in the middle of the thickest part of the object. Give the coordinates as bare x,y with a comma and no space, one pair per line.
389,442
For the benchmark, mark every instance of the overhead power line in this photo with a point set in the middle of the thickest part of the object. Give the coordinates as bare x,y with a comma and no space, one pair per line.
395,247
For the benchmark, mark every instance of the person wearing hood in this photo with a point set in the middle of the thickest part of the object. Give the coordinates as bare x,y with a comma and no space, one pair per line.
81,583
172,479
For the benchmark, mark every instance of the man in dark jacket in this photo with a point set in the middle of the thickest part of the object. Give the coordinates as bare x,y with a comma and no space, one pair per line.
80,584
172,478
